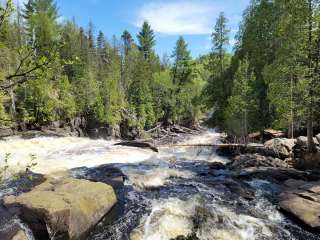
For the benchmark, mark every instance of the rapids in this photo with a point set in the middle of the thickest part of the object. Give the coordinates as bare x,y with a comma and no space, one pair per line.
172,194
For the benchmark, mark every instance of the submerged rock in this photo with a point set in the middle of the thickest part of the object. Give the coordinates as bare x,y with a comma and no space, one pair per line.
302,199
65,208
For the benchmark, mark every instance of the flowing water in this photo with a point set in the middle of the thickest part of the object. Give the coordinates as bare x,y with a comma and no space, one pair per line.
168,195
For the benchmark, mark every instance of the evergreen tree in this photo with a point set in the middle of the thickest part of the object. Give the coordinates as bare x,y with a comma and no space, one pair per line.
127,42
240,103
146,40
140,96
220,39
181,70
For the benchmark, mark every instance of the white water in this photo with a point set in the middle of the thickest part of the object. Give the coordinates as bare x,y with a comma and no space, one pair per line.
61,154
169,217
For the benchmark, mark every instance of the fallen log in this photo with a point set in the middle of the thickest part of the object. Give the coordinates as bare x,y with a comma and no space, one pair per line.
138,145
222,145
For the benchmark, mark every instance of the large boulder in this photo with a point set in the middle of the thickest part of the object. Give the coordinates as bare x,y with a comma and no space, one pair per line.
281,147
303,159
303,141
65,208
244,161
302,199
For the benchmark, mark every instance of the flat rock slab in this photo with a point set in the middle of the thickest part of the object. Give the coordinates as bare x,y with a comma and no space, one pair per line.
65,208
302,199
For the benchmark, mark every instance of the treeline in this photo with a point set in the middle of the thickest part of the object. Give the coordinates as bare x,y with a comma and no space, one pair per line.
57,71
272,80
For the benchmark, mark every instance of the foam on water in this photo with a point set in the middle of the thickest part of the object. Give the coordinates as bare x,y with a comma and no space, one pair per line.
59,154
174,217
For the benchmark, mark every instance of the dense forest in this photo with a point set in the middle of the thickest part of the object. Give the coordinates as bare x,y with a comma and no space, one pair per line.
57,71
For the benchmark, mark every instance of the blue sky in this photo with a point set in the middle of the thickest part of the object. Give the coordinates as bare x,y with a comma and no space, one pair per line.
193,19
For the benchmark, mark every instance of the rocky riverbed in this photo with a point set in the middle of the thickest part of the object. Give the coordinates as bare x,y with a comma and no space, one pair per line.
176,193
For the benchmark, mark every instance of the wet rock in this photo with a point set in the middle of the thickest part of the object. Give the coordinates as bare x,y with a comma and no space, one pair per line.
65,208
217,166
138,144
302,199
239,190
276,175
10,228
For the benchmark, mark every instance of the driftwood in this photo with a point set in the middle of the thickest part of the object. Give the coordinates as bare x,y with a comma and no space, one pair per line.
138,144
222,145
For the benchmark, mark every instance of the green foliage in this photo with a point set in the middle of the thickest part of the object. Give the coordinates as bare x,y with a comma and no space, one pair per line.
3,115
146,40
241,104
140,95
51,71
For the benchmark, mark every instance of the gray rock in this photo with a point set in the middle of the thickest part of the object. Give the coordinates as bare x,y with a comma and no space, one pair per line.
6,132
302,199
280,146
255,160
303,140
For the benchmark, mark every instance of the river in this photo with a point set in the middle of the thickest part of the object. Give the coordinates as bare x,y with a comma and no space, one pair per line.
169,194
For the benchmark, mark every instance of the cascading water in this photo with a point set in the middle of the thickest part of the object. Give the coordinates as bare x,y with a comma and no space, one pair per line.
172,194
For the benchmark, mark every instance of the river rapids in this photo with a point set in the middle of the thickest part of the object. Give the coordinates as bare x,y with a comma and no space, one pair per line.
173,194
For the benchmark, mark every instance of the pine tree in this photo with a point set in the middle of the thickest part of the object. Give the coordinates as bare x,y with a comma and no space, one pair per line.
127,42
181,70
220,39
182,79
146,40
41,21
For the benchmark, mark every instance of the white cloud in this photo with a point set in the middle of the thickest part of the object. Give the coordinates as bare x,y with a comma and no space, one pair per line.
179,17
